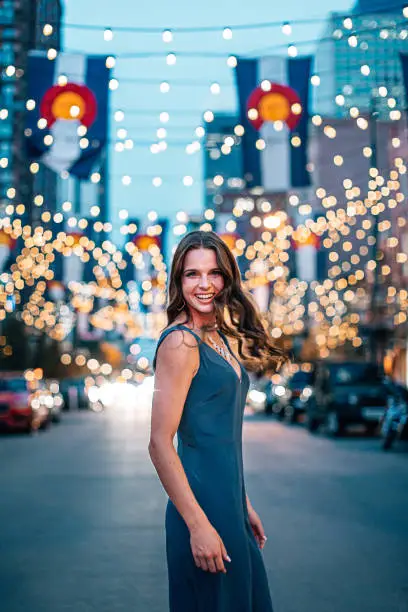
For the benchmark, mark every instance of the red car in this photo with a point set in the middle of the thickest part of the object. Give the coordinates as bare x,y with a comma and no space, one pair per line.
19,410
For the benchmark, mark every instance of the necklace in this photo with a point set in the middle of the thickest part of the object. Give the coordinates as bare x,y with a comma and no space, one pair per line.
222,350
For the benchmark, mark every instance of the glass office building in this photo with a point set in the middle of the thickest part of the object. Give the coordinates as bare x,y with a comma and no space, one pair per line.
24,25
357,55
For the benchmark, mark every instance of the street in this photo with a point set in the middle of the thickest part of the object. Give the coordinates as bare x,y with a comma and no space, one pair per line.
82,513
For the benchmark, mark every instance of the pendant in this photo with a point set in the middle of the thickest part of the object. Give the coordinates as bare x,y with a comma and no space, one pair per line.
221,350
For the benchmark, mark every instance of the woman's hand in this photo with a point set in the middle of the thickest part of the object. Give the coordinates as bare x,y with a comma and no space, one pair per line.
257,527
208,549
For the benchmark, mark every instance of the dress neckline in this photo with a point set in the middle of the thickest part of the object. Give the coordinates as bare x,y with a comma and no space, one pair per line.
223,337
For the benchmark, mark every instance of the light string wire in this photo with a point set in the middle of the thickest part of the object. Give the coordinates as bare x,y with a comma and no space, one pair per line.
217,28
250,54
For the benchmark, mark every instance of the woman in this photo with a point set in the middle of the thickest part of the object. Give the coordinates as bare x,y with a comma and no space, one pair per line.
213,534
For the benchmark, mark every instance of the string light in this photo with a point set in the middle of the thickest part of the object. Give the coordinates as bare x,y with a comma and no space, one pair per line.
171,59
227,34
292,51
286,29
110,62
208,116
164,87
167,36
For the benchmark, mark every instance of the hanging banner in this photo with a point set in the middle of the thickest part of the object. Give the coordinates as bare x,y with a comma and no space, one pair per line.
273,95
306,246
73,266
7,244
67,114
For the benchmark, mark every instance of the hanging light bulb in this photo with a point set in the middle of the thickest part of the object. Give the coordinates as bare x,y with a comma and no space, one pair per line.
164,87
110,62
108,34
227,34
292,51
167,36
208,116
171,59
286,29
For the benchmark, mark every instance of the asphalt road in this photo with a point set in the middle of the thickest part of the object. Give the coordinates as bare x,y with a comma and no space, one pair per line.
81,514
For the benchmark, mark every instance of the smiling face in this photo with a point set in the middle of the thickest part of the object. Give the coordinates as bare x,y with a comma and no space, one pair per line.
201,281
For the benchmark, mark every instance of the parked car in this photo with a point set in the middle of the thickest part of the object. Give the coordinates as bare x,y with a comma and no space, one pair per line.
345,394
263,394
21,408
298,390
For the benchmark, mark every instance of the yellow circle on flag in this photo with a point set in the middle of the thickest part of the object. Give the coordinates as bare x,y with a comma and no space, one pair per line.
274,107
68,105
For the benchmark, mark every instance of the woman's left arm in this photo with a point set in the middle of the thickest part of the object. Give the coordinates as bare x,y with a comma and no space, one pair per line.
256,525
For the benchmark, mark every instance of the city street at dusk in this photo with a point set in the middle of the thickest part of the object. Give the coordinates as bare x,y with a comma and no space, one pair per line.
83,511
203,215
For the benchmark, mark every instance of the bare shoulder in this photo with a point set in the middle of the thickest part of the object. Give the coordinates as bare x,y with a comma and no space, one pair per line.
179,351
179,338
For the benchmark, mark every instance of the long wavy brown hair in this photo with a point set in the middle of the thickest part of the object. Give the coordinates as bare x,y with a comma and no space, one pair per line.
236,313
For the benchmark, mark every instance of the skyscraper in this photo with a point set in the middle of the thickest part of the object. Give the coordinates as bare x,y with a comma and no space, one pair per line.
358,54
24,26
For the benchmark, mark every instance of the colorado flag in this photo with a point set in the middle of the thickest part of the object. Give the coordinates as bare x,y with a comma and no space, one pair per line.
67,112
281,165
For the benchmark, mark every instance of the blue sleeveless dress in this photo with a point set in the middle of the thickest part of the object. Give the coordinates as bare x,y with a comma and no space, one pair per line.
210,449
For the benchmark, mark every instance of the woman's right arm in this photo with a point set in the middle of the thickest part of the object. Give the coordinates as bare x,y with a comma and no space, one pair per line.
176,363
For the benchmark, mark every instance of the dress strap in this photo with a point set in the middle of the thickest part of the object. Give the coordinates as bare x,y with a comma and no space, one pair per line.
197,337
166,332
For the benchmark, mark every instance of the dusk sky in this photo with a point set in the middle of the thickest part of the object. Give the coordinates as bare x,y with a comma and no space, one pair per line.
185,103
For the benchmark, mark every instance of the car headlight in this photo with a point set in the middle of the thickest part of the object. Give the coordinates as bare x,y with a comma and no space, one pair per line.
35,403
258,397
306,393
93,394
48,401
279,390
